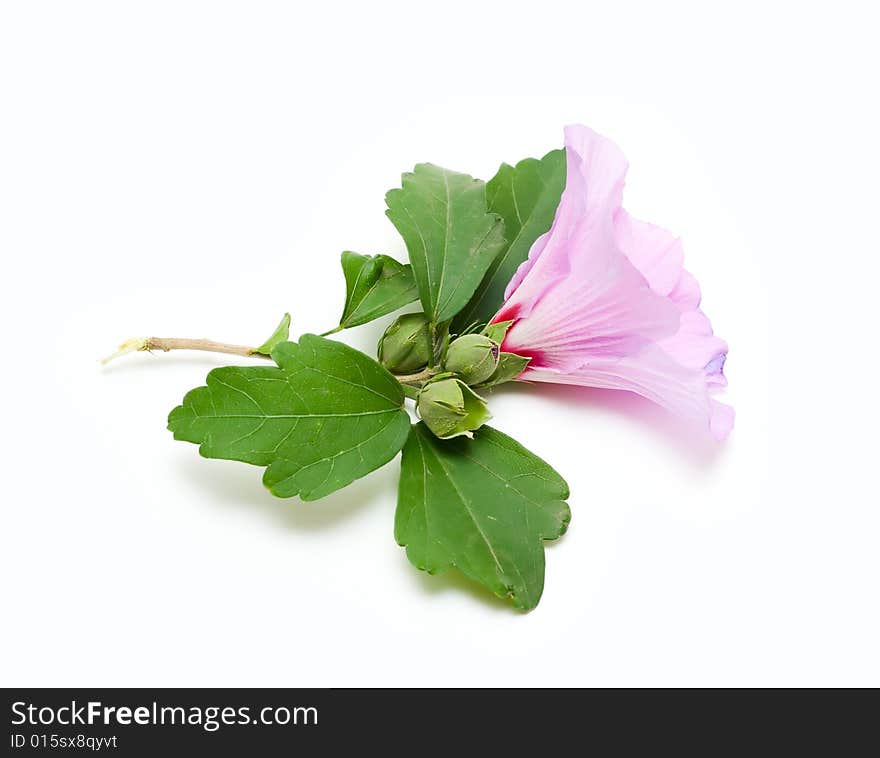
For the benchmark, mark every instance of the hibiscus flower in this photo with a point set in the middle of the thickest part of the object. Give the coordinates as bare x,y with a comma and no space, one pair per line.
603,299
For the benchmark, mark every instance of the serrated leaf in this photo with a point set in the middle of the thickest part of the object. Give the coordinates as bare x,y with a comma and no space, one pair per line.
510,366
526,197
281,333
375,286
324,416
450,236
484,506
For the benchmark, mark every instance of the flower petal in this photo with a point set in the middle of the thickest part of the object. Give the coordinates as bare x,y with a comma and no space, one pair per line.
656,253
686,294
659,256
654,375
694,345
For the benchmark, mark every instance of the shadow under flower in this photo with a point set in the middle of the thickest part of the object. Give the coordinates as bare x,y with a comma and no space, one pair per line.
237,485
696,444
233,484
145,361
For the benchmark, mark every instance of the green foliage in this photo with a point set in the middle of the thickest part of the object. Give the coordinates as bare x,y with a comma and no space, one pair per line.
323,417
281,333
375,286
450,236
484,506
325,414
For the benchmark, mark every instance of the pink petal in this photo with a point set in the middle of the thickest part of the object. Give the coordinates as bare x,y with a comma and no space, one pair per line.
608,311
654,375
659,256
686,294
721,423
693,345
656,253
534,253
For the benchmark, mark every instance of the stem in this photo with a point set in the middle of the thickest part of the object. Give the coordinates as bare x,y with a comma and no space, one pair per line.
181,343
432,328
422,376
332,331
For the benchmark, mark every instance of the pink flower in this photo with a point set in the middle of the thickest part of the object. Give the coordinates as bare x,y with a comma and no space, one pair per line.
603,299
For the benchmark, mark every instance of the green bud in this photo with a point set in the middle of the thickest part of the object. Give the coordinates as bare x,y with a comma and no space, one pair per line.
450,408
406,345
474,357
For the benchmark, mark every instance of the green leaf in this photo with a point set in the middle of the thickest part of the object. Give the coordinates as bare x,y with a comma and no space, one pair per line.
450,236
510,366
281,333
526,197
375,286
484,506
324,416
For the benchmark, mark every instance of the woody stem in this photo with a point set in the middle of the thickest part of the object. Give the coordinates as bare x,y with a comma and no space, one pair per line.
182,343
421,376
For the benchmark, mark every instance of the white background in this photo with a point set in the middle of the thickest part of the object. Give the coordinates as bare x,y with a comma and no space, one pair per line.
195,169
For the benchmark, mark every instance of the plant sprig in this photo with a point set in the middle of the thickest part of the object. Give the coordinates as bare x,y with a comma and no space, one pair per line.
324,414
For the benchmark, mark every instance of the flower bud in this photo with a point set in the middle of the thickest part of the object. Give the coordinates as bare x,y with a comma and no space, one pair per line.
474,357
406,345
450,408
